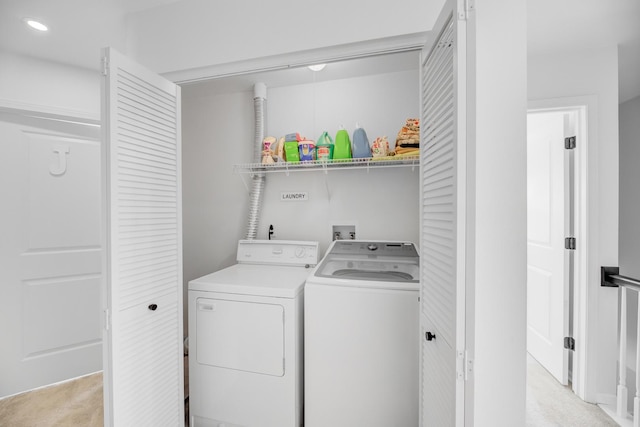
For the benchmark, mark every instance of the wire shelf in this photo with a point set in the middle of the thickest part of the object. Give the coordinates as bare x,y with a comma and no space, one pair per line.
325,165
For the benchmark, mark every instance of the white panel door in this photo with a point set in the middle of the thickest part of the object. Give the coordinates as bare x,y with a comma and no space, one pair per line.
143,234
49,252
442,239
547,259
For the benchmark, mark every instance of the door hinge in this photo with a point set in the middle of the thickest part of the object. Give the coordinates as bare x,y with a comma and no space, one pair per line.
464,365
107,319
569,343
570,142
570,243
464,7
105,66
470,5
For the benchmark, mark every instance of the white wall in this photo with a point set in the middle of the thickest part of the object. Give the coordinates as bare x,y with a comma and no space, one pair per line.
629,231
383,204
221,32
46,86
496,235
218,133
578,74
629,195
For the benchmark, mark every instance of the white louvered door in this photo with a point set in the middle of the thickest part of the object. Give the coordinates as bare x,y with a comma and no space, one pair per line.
143,362
442,242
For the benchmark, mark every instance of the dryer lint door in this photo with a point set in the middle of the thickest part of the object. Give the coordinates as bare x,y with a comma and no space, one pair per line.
245,336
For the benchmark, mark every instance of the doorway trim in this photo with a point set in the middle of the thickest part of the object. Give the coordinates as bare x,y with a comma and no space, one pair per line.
46,112
327,54
584,300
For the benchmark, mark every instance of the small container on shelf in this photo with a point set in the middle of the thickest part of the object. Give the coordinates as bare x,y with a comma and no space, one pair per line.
306,149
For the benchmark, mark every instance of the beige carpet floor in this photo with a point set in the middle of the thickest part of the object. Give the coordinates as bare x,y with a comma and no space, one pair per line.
72,403
550,404
79,403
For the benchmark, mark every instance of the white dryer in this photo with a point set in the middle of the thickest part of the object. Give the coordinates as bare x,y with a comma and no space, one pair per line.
245,337
361,336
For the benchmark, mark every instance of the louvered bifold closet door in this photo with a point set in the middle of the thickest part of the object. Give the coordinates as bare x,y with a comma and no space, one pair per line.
142,157
441,225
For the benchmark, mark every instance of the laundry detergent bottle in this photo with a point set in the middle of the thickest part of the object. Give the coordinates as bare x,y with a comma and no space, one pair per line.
324,147
342,145
361,148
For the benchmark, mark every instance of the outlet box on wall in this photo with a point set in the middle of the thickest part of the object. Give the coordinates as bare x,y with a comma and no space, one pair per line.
343,232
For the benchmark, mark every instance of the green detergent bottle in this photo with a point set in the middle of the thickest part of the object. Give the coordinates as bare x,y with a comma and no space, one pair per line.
324,147
342,145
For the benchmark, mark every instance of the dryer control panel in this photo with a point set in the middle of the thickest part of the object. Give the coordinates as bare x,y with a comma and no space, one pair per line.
278,252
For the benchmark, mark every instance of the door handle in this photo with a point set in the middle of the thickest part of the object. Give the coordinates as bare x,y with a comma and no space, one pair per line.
429,336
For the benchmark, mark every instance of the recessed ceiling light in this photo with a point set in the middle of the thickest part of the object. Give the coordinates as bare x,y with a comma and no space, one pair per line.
317,67
36,25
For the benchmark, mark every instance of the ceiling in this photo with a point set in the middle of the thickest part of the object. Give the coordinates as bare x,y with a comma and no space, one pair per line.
79,28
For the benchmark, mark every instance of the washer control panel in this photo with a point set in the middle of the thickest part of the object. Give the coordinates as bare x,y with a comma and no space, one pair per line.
279,252
379,248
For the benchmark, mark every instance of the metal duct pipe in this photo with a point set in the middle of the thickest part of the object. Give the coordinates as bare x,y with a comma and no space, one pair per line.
259,179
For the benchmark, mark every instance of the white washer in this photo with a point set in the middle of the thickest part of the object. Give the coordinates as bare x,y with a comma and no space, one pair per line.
245,337
361,336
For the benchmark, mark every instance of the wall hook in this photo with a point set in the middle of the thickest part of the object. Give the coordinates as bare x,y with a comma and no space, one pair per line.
61,167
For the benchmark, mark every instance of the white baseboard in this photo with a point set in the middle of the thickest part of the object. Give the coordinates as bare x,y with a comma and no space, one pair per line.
610,410
606,399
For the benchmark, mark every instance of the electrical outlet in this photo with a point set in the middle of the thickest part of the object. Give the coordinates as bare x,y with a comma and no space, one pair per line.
344,232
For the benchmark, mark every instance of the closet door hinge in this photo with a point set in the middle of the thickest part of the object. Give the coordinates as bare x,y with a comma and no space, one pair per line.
464,365
105,66
570,142
464,7
107,319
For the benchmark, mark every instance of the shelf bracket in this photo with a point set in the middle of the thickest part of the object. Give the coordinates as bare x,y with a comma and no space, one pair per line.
326,185
244,181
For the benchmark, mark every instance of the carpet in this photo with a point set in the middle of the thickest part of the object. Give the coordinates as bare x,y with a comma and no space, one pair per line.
73,403
79,403
550,404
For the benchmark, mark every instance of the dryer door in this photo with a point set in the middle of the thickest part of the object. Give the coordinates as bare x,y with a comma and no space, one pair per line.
246,336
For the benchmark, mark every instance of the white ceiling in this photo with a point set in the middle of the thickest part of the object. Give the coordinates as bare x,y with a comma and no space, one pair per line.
79,28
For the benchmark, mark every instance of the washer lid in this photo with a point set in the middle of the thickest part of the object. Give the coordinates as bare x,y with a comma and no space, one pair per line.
258,280
371,261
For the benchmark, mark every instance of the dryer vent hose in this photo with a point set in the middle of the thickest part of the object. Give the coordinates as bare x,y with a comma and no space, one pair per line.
258,180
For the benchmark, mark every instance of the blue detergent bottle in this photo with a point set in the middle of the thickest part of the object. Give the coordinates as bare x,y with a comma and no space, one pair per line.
361,148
